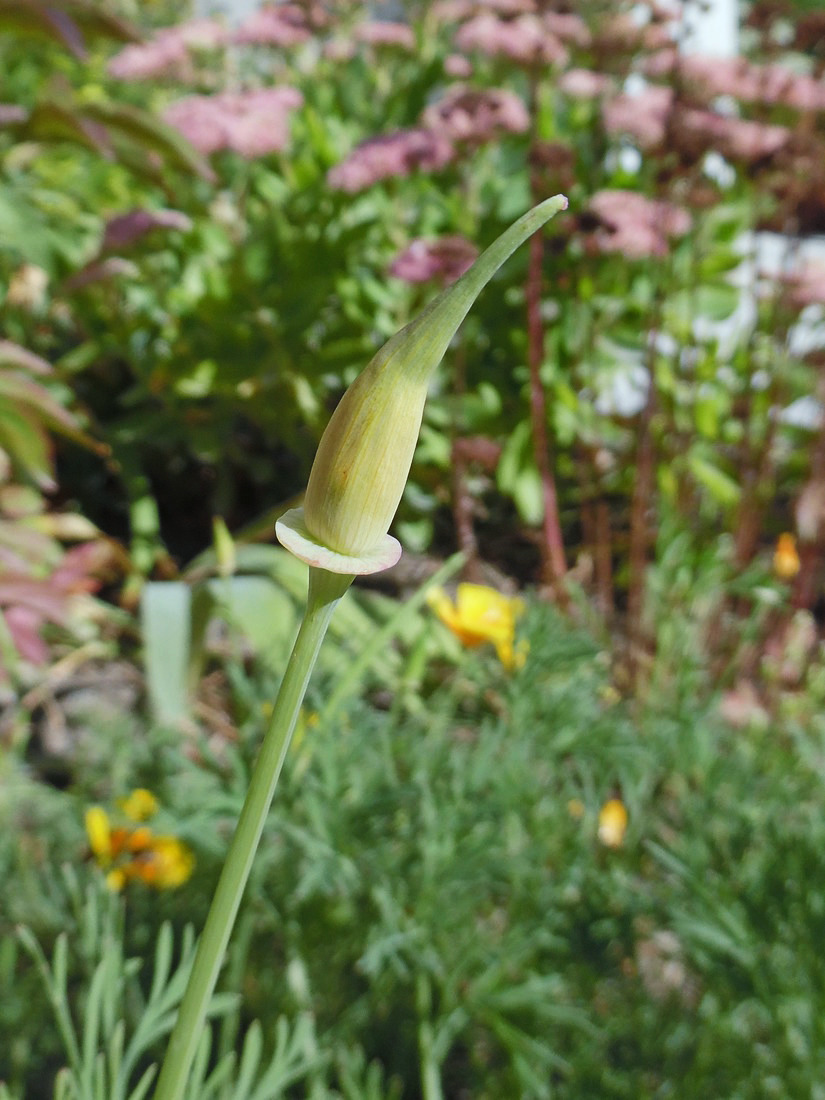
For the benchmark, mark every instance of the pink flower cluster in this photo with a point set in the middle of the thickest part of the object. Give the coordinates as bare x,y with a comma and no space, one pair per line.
167,52
456,11
398,35
525,40
642,117
477,115
465,116
696,132
622,32
276,25
806,285
769,84
397,154
636,226
251,123
584,84
445,259
647,116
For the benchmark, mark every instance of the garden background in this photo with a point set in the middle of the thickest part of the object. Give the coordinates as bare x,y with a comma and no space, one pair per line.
557,832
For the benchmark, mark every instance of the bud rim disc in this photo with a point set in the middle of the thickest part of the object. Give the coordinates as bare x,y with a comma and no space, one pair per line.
292,533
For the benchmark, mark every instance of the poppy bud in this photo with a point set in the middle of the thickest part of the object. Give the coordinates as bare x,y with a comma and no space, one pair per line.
365,454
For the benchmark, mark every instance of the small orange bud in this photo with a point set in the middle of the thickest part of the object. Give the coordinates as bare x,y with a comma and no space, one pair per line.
786,557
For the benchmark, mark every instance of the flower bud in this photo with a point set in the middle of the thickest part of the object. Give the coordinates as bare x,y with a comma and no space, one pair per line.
365,454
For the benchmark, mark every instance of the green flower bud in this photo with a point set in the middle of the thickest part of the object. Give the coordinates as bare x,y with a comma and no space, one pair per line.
365,454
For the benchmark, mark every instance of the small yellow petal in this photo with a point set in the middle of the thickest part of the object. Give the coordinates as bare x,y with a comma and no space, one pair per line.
140,805
116,880
612,823
99,832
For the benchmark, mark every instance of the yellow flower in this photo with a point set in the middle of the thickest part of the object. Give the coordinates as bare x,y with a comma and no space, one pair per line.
99,833
140,805
612,823
786,557
482,614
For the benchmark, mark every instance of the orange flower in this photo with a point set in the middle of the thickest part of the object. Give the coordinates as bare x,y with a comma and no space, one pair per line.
786,557
127,853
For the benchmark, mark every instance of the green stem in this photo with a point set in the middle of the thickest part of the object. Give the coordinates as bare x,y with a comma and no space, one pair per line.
325,589
430,1071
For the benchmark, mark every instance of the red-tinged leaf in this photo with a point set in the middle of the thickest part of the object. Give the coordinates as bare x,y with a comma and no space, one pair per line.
18,389
53,121
69,23
32,398
66,29
33,548
147,132
23,625
13,355
27,444
97,22
41,597
82,567
27,17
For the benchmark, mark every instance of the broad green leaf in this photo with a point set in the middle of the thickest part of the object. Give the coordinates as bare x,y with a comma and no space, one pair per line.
165,618
720,485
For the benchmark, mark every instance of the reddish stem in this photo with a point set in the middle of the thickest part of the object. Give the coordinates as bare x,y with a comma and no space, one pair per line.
639,536
552,546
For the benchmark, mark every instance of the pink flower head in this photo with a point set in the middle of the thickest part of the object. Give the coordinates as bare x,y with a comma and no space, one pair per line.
806,285
660,63
339,49
524,39
250,123
275,25
770,84
477,115
457,66
125,229
398,35
642,117
397,154
622,32
696,132
584,84
167,53
567,27
456,11
634,225
444,259
11,114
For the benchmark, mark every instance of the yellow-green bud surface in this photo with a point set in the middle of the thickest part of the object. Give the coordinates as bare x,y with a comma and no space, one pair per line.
365,454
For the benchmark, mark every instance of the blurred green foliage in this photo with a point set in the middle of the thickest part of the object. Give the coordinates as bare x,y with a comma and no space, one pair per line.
431,893
432,913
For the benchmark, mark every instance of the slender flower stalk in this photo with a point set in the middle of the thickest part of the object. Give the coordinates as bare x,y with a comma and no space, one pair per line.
325,589
356,482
